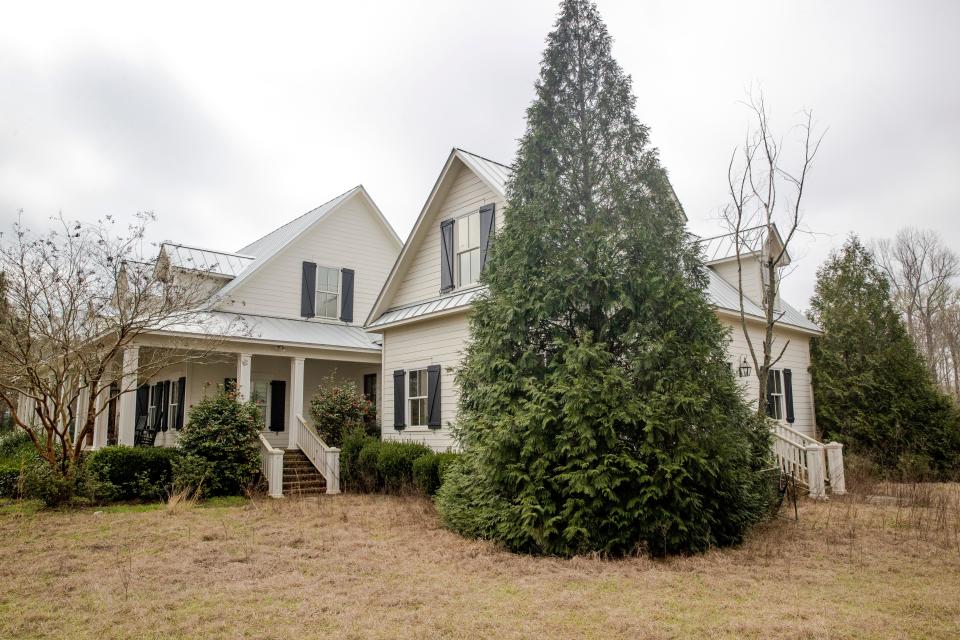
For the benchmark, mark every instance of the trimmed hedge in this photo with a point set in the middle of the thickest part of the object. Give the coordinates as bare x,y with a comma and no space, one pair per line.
131,473
428,471
371,465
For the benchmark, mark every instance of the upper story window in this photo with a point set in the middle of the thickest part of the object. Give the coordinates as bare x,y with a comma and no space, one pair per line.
775,394
328,292
468,249
417,398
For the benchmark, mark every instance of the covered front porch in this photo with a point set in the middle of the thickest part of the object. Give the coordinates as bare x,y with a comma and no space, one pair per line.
162,376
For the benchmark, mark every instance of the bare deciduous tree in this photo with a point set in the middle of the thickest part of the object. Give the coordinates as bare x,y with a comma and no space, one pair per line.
921,271
765,201
76,297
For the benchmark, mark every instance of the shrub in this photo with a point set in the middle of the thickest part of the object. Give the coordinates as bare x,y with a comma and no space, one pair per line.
338,409
191,474
222,432
395,464
367,475
130,473
353,442
428,471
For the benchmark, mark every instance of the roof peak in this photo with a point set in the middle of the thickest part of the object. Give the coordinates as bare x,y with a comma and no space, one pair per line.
477,155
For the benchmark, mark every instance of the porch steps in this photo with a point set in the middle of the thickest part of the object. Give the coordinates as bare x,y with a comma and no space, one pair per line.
300,477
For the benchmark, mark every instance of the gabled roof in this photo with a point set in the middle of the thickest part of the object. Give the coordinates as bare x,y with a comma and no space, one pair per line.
210,261
724,295
493,174
269,246
723,247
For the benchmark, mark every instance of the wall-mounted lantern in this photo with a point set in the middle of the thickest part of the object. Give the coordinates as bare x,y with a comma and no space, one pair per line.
744,369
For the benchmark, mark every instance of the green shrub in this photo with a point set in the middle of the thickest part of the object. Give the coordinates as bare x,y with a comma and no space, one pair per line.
428,471
353,442
191,474
395,464
44,482
223,432
130,473
10,475
338,409
367,474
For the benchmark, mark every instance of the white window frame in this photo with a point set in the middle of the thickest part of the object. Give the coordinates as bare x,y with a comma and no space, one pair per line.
779,412
266,400
421,399
318,293
173,408
153,394
462,223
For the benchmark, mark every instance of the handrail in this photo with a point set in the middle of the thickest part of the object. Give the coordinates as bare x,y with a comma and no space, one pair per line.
779,427
271,463
325,458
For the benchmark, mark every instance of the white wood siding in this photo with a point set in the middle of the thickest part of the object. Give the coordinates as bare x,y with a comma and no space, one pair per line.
796,358
416,346
351,237
421,280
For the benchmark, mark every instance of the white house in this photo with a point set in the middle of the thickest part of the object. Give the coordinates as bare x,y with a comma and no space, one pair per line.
285,312
421,313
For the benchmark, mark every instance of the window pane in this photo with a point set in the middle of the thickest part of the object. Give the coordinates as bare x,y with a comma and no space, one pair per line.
423,411
413,384
462,231
474,265
414,412
465,268
474,223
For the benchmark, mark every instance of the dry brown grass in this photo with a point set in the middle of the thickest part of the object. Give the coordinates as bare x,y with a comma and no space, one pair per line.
376,566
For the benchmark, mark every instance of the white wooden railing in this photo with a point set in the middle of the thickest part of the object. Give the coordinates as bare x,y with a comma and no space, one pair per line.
271,463
325,458
809,461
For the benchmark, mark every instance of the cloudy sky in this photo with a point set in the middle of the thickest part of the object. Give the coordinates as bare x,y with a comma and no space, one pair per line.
228,119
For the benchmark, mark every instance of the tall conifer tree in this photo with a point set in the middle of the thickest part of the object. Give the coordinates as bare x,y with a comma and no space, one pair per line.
598,411
872,388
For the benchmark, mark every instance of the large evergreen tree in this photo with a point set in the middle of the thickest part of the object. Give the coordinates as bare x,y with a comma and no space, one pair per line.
872,388
598,412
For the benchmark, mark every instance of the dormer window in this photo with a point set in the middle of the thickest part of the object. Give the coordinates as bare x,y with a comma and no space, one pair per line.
328,292
468,249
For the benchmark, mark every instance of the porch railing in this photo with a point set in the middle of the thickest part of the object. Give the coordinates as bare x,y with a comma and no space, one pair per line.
809,461
325,458
271,463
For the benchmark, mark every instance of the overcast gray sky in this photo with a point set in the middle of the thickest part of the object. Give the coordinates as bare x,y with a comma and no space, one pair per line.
228,119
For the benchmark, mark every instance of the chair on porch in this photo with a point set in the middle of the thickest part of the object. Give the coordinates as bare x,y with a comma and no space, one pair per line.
144,436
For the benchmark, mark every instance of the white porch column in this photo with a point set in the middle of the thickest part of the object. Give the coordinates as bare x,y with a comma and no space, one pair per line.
128,398
100,422
244,361
296,401
83,403
838,483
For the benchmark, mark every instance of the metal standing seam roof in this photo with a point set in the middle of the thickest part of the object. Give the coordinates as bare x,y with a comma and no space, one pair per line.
240,326
724,295
445,303
495,173
206,260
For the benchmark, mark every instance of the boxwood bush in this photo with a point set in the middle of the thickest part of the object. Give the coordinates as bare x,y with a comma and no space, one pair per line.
370,465
428,471
132,473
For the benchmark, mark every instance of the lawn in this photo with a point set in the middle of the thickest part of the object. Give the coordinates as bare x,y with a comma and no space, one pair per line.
377,566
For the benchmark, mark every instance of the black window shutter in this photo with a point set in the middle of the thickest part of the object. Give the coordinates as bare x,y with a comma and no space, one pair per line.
399,410
433,395
308,290
346,295
164,407
446,256
487,229
788,393
770,378
143,401
181,394
278,404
